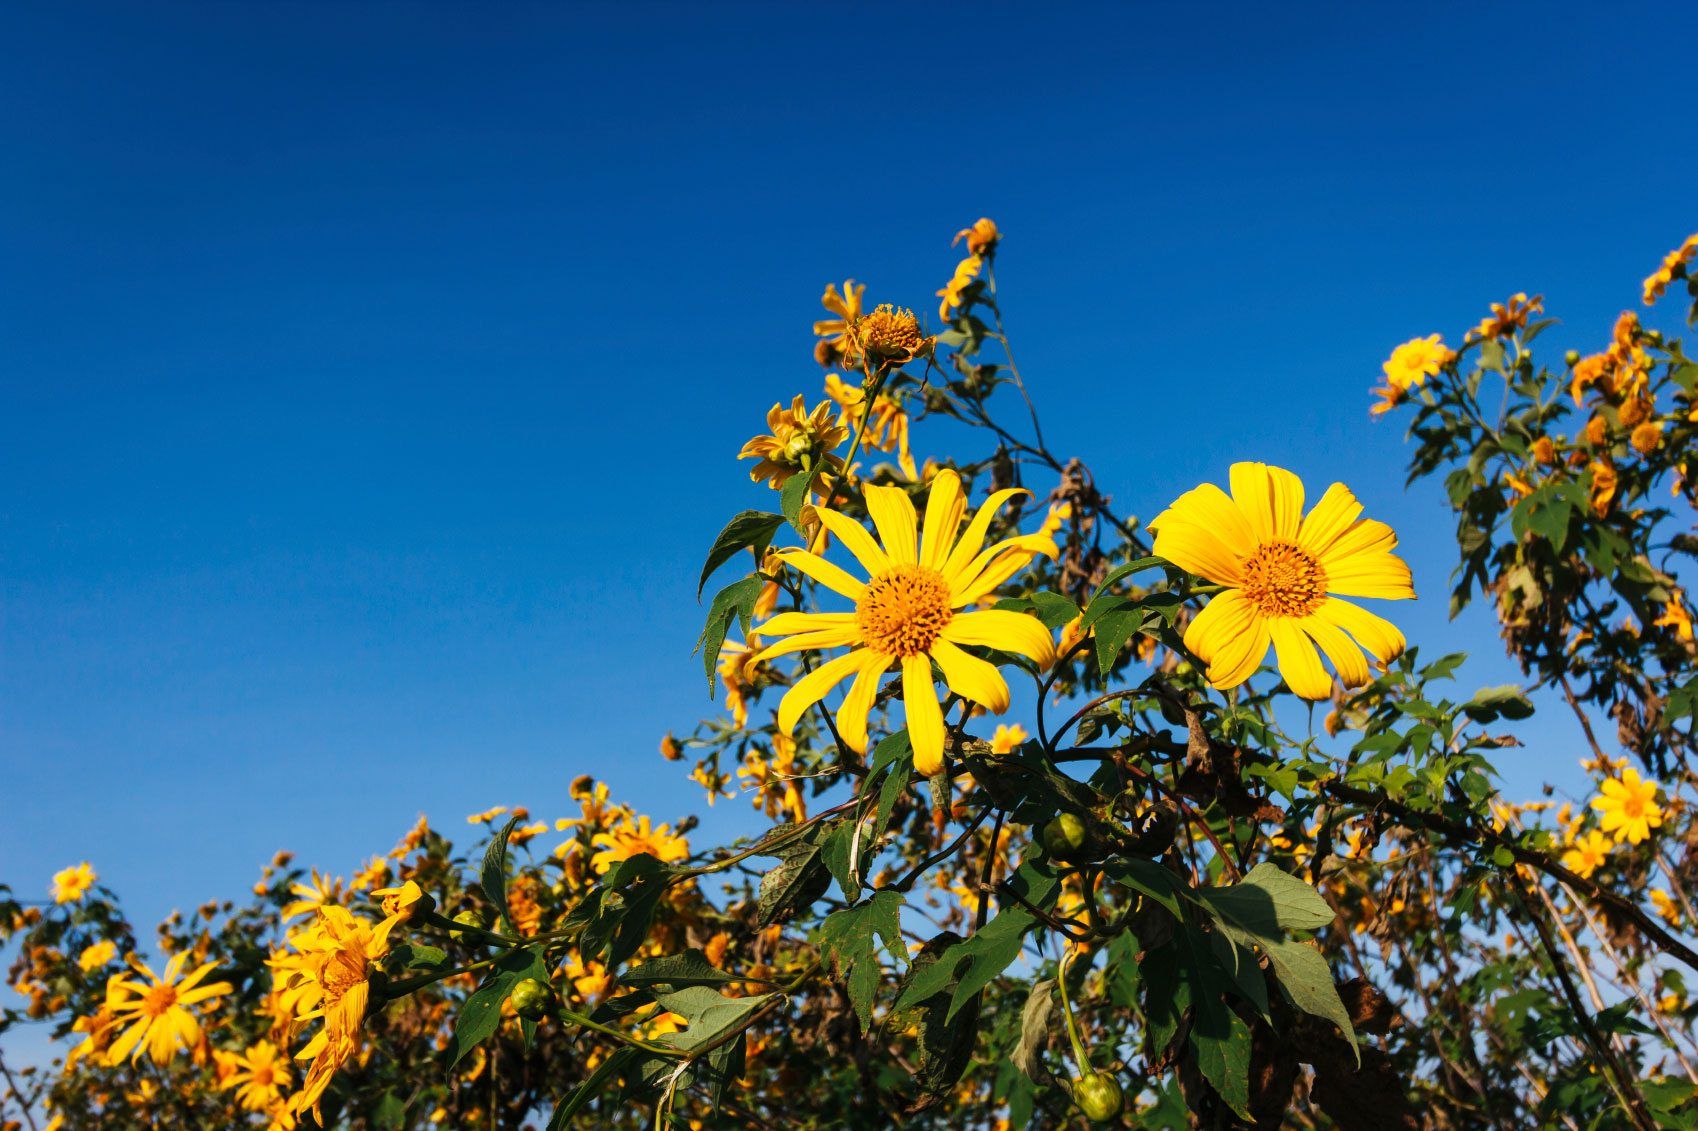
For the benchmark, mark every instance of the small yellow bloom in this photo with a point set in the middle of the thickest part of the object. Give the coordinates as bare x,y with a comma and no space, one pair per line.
890,336
908,613
1666,906
375,872
883,427
1008,738
1586,854
73,883
982,237
1628,807
1508,317
405,903
635,837
965,272
1416,360
1646,436
1588,371
486,816
1285,575
1603,487
321,892
97,955
1673,266
836,346
261,1075
798,440
157,1011
1676,616
670,748
1544,451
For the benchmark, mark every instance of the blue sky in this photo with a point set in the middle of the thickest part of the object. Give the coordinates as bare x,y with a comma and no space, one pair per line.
373,373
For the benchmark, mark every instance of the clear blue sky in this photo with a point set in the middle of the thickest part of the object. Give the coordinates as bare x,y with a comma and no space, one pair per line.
373,373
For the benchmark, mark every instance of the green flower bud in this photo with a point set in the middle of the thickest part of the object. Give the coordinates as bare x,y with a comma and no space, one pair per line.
1065,835
531,999
1098,1096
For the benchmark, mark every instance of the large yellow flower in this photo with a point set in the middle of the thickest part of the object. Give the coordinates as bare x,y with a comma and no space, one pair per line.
1627,807
909,613
635,837
261,1076
330,978
157,1011
73,883
1586,853
1284,574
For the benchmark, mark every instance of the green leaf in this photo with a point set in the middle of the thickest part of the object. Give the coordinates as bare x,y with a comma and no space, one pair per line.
1303,974
988,953
1053,609
798,879
1224,1058
1034,1029
792,496
736,600
1491,703
690,968
837,844
1121,571
591,1087
848,941
493,877
1112,631
748,530
480,1015
1268,902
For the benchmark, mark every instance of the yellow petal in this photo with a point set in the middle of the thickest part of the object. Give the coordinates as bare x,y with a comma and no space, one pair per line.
854,536
1345,653
973,538
963,592
1372,575
924,716
831,576
893,515
1005,630
1378,635
1271,499
945,508
1212,509
1299,663
1367,538
852,716
971,678
1199,550
813,687
1332,516
1226,617
838,637
786,623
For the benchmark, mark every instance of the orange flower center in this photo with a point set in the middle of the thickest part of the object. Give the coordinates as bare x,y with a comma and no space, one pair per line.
155,1000
1284,581
903,612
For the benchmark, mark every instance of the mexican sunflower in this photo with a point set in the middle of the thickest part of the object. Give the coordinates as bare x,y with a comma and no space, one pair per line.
909,613
157,1011
1284,574
330,978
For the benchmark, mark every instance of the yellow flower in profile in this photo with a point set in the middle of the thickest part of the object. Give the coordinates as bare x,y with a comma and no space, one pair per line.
1665,907
330,978
889,336
1007,739
405,903
97,955
261,1075
1416,360
635,837
909,613
740,671
1588,371
1676,616
73,883
321,892
157,1010
1627,807
1674,263
98,1029
1587,853
375,872
1508,317
836,346
797,441
883,427
1603,487
981,238
965,272
1284,574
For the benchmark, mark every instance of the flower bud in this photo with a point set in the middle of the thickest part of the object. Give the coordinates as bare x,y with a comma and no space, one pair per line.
1098,1096
531,999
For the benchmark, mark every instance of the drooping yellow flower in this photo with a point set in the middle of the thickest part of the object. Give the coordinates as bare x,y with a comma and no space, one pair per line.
1665,906
635,837
97,955
1007,739
321,892
1587,853
98,1030
1627,807
836,346
965,272
883,427
1676,616
1588,371
73,883
909,613
981,238
330,978
1603,486
797,441
1674,263
260,1076
157,1011
889,335
1285,575
1416,360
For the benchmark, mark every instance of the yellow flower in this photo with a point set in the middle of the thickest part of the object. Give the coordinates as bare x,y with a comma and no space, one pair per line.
375,872
1390,397
1586,854
965,272
1676,616
1416,360
97,955
1628,807
1603,487
981,238
73,883
1544,451
773,780
330,978
405,903
635,837
157,1012
486,816
883,428
590,979
1646,436
889,336
670,748
1007,739
798,441
739,669
1674,263
322,892
836,345
1507,317
908,613
261,1076
1665,906
97,1029
1284,575
1588,371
